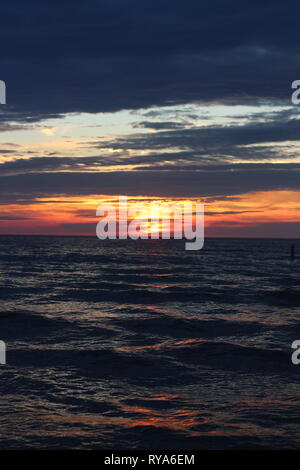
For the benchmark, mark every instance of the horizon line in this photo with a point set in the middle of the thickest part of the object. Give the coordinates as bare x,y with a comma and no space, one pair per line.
145,239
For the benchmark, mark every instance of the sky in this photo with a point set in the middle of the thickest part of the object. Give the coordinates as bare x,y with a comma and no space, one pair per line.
150,99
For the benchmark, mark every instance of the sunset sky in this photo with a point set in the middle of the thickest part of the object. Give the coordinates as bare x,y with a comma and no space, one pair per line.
161,99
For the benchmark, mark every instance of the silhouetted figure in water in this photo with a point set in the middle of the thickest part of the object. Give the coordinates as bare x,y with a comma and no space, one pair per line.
292,252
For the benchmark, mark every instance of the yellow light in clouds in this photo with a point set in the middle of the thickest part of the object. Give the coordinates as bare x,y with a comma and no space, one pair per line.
49,131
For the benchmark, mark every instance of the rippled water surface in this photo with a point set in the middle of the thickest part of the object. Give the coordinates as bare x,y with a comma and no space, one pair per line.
142,345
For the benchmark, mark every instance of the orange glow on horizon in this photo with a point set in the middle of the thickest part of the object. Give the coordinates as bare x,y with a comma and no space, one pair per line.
64,215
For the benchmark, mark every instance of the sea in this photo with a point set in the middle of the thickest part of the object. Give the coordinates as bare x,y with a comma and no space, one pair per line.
124,344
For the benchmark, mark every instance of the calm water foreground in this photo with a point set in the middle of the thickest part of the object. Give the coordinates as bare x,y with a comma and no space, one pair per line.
142,345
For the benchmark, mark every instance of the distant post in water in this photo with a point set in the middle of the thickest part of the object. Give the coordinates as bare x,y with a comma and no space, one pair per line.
292,252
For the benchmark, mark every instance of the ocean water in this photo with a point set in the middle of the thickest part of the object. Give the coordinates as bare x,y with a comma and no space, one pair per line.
143,345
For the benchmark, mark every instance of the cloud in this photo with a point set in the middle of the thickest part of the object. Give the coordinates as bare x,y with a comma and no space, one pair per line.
13,217
110,55
256,141
160,125
213,182
78,228
260,230
210,137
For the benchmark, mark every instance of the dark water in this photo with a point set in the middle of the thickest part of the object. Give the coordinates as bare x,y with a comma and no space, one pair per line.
142,345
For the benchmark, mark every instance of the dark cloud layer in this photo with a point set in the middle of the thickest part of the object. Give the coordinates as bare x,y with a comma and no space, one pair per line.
215,183
212,137
71,56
